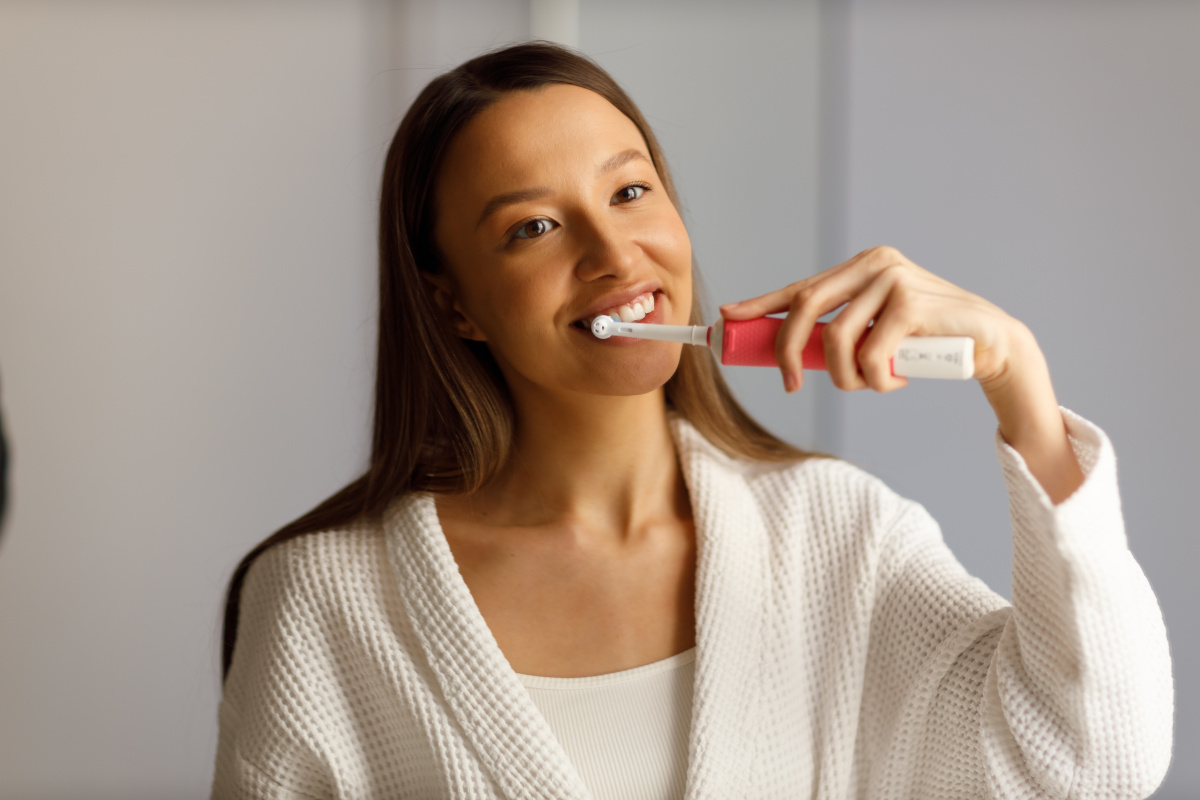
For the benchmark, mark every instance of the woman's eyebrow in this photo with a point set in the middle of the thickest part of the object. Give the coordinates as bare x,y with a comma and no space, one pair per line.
621,159
508,198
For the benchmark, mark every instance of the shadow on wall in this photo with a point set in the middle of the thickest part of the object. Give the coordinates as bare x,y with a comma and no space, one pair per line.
3,472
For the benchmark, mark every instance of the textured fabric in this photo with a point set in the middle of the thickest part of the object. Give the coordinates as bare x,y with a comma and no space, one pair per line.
841,651
626,733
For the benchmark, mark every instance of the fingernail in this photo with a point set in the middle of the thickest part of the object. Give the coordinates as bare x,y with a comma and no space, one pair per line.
731,305
789,383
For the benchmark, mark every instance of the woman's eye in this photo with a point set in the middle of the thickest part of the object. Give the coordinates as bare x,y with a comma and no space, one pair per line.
631,192
533,229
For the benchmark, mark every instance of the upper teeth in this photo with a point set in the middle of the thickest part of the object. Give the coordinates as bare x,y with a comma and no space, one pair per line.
635,309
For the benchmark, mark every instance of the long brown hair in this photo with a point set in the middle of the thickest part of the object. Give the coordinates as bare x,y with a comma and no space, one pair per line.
443,417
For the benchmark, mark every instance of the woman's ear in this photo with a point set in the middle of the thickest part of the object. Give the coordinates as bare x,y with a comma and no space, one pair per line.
445,296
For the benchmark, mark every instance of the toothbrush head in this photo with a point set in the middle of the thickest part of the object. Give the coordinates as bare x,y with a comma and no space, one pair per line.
602,326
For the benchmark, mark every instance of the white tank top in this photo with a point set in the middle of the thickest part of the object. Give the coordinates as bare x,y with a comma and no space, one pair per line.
626,732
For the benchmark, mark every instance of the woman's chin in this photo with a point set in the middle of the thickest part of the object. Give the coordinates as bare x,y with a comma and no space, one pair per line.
632,379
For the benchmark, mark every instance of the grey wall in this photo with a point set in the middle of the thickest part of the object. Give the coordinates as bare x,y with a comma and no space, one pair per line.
185,284
1044,156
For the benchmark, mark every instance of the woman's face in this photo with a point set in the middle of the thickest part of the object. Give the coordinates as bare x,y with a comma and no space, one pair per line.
550,212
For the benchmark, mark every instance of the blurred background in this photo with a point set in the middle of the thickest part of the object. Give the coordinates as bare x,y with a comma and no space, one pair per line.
187,305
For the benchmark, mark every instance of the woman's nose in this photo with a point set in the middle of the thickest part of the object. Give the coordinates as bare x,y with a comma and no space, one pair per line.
608,249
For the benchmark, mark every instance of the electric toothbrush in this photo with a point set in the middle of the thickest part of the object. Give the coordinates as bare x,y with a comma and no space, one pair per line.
751,343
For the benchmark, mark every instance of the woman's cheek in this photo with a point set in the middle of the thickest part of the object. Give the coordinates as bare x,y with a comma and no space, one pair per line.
670,239
672,249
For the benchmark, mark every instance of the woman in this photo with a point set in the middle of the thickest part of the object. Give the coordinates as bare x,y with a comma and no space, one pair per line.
555,531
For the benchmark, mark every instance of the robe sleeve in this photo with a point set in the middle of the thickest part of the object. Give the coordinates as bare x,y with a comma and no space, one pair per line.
1064,693
267,748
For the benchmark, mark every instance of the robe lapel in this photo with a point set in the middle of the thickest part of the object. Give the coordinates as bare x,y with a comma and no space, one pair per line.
485,695
731,576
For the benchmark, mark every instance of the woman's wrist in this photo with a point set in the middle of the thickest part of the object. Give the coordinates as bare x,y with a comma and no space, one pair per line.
1022,397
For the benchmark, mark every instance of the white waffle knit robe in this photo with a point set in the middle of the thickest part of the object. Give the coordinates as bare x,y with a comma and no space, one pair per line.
841,651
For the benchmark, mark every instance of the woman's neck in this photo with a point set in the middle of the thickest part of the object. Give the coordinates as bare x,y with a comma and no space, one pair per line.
590,467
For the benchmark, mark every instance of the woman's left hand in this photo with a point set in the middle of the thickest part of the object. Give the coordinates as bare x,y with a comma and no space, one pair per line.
903,299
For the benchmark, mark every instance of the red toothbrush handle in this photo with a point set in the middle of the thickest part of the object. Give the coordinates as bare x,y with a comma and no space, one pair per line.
751,343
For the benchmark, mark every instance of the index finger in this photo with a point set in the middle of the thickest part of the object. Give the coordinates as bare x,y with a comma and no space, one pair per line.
781,299
873,260
769,303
